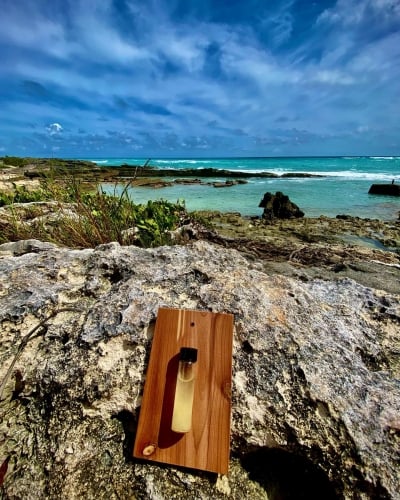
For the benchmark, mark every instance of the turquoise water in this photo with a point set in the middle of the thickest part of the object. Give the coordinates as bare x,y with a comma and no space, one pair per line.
343,189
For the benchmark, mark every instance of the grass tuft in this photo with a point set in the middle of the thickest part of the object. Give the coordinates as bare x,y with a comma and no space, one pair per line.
76,217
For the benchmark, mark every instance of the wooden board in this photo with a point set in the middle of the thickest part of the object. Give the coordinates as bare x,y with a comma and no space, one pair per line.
206,446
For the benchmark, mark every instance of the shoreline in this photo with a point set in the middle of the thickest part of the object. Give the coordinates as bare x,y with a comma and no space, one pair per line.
307,249
23,170
352,230
349,231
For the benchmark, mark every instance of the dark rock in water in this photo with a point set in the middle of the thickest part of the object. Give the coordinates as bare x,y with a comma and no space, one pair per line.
187,181
386,189
300,174
279,206
224,184
344,217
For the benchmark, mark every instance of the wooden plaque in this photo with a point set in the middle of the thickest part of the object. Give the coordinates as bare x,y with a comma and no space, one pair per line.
206,445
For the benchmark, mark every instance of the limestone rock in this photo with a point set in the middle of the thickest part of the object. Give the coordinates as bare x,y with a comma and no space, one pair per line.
279,206
316,393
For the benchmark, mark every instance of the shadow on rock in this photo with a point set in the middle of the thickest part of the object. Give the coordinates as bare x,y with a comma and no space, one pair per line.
286,476
129,424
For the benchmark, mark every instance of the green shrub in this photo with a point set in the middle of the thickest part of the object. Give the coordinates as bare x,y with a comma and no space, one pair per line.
94,218
15,161
22,195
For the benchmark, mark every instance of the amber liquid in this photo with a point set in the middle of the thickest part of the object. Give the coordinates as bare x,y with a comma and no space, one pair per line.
183,403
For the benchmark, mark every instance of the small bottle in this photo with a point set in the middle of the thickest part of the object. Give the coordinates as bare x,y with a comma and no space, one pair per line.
185,381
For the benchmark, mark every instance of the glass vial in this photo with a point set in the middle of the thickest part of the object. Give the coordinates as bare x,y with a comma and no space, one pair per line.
185,381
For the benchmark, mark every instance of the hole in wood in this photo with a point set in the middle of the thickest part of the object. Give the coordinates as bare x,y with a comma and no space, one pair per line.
149,449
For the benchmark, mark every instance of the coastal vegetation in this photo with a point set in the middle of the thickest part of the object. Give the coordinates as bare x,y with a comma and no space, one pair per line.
20,194
67,213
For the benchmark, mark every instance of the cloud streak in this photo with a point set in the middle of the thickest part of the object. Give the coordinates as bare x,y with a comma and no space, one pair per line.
182,78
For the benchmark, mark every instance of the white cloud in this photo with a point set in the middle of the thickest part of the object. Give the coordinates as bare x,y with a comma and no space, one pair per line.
83,31
84,55
187,51
353,12
27,27
362,129
99,38
379,59
279,25
344,12
256,63
54,129
333,77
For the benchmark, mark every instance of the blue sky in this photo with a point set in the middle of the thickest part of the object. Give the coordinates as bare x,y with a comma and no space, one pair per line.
130,78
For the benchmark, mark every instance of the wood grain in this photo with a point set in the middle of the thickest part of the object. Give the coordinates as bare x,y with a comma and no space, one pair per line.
206,446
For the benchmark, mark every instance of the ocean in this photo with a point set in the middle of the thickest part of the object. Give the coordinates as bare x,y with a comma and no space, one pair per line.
343,189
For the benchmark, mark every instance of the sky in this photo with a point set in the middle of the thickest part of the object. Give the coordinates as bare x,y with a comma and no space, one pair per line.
198,78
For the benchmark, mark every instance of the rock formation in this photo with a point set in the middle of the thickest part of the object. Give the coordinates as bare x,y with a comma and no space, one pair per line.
316,395
279,206
385,189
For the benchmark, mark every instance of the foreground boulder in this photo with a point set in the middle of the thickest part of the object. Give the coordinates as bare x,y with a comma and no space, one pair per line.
279,206
316,395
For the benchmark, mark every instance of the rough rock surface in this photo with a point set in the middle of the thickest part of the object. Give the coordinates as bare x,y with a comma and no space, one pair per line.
279,206
316,392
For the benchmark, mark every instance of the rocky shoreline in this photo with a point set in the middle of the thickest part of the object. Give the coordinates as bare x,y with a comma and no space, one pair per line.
32,169
139,171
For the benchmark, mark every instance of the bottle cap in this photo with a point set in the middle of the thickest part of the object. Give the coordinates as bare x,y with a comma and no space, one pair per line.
188,354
